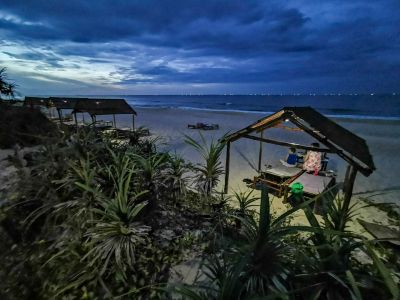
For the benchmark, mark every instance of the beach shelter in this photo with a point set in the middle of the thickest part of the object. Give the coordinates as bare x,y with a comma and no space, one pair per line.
336,139
59,103
64,103
36,101
95,107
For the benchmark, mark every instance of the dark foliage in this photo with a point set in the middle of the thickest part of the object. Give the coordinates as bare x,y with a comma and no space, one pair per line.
23,126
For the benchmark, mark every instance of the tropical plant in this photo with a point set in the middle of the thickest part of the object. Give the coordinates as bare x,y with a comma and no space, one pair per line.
327,263
86,221
176,180
6,88
257,264
245,201
207,172
150,176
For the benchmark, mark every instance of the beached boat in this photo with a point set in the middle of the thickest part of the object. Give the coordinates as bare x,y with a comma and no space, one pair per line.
203,126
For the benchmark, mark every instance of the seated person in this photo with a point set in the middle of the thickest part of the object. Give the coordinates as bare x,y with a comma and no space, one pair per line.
312,161
291,158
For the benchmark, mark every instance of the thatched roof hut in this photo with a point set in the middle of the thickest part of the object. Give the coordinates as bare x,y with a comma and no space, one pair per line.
92,106
37,101
334,137
95,107
65,102
104,107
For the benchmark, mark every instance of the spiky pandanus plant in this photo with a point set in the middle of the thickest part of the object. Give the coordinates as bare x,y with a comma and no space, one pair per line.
255,266
116,229
150,176
207,172
327,263
176,177
245,201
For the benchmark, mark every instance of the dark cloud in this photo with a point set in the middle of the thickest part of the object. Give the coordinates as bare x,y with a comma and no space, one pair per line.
219,41
49,59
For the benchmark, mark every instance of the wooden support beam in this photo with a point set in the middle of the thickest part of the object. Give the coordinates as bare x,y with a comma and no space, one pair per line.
260,152
227,161
76,120
348,189
294,145
133,122
325,141
115,123
249,129
59,115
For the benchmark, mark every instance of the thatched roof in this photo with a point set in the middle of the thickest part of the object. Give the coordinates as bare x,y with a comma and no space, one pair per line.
90,105
104,107
36,101
65,102
337,139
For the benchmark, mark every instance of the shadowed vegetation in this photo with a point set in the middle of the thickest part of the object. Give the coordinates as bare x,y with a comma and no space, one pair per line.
94,219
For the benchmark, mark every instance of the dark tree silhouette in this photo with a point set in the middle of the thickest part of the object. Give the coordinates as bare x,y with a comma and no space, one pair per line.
6,88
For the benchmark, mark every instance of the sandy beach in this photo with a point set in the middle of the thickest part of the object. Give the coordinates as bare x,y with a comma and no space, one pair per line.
170,125
381,136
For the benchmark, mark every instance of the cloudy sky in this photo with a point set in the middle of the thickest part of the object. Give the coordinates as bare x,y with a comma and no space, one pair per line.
200,46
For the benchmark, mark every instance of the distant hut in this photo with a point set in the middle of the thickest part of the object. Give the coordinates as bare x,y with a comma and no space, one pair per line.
37,101
64,103
96,107
334,137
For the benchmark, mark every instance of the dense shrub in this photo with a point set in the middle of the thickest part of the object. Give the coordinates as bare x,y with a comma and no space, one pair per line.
24,126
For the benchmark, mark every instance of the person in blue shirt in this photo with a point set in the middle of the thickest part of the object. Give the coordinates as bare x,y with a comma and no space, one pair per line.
291,158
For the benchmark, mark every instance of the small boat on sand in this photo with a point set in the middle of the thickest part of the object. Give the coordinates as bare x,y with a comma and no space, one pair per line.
203,126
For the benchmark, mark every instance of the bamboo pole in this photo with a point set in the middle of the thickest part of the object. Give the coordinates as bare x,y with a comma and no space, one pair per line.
227,160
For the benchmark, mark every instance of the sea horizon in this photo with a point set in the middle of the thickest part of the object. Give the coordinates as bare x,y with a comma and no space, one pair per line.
354,106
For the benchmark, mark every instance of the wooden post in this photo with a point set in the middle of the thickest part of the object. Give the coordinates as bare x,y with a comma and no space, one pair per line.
133,122
227,160
346,177
348,189
265,216
76,120
260,152
115,124
59,115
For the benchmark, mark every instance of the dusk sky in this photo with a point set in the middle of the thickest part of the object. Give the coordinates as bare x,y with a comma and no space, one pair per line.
201,46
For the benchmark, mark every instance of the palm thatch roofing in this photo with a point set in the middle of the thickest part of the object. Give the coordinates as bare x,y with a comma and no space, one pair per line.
36,101
65,102
90,105
104,107
337,139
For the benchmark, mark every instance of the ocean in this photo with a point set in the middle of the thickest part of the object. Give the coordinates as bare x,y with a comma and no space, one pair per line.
385,106
353,106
